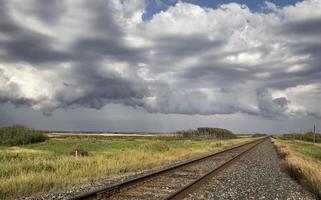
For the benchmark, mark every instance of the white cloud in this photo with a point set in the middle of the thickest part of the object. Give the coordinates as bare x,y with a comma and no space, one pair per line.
187,59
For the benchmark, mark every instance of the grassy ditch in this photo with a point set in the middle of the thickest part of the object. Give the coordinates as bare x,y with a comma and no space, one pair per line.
302,160
49,166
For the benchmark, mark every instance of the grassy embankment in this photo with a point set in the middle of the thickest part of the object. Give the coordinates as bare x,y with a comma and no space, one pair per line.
303,162
47,166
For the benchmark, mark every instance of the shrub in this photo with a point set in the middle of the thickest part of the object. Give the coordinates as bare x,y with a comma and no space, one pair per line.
79,152
20,135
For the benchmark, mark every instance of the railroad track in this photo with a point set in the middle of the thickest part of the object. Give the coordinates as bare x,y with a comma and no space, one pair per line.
174,182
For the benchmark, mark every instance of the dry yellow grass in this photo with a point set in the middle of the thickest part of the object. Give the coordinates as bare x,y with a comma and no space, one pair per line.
40,168
304,168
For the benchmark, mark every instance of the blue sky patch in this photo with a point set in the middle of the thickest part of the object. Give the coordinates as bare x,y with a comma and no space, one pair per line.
156,6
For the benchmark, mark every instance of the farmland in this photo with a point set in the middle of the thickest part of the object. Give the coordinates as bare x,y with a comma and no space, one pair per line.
48,166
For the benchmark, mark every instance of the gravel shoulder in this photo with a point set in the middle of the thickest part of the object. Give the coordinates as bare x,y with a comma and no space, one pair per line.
257,175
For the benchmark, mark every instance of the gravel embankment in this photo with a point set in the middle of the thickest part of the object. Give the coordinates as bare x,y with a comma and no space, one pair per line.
257,175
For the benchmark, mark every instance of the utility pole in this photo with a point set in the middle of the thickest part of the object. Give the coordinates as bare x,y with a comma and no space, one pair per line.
314,134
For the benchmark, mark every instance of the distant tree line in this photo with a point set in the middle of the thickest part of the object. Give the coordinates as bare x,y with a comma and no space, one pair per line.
244,134
308,136
258,135
20,135
207,132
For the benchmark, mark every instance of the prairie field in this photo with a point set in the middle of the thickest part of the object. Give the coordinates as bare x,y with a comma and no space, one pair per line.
302,160
48,166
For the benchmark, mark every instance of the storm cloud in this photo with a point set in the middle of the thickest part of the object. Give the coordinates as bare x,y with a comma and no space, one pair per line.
184,60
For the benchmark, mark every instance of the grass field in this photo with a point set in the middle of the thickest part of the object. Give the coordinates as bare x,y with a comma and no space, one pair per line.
306,148
303,161
36,168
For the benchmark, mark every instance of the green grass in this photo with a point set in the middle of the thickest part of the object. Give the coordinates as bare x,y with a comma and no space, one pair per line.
36,168
306,148
303,162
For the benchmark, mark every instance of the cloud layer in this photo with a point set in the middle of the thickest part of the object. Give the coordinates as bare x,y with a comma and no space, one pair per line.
185,60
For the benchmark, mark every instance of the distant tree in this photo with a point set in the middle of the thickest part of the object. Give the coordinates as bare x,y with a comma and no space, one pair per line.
258,135
207,132
308,136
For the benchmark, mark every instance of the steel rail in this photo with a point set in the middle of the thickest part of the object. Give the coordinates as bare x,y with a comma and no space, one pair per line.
115,188
184,191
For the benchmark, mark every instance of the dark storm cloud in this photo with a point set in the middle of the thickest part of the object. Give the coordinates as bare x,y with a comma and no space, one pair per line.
49,11
103,20
307,48
13,89
24,44
31,46
101,90
91,53
85,54
31,49
281,101
96,48
306,27
309,68
172,101
282,79
186,45
219,74
269,107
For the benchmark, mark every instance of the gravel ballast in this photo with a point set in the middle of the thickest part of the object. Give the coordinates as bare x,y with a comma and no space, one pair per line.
257,175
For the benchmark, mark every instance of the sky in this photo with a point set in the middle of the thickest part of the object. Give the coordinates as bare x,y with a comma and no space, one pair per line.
134,65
